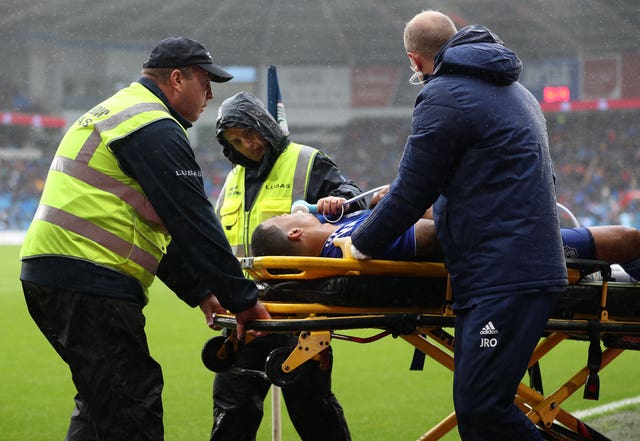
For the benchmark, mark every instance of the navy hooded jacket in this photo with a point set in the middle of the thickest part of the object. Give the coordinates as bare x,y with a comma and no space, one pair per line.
479,148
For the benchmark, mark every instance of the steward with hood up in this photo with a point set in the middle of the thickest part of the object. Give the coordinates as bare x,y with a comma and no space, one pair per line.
255,191
479,147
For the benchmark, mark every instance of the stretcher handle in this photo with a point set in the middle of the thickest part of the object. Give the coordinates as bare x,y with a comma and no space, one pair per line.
303,267
399,324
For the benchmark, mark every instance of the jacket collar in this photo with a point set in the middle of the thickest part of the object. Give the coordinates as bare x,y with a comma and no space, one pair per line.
153,87
477,52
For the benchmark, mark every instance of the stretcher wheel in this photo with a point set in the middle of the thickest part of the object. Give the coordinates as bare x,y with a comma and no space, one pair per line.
215,356
274,371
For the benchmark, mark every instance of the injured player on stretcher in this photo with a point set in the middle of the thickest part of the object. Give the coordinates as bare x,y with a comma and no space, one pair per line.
306,234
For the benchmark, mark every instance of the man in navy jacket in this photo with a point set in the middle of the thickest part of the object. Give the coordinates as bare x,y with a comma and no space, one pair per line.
479,153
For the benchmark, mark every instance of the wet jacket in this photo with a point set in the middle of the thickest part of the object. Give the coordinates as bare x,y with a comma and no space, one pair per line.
85,183
323,178
479,147
286,183
198,260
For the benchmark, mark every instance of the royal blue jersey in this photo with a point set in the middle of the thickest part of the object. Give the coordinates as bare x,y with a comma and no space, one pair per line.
402,248
578,243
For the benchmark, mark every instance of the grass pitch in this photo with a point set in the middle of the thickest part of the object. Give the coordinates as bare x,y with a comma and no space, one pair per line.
382,399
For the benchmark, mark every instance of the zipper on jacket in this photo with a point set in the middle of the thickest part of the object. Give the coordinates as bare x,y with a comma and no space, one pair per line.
245,233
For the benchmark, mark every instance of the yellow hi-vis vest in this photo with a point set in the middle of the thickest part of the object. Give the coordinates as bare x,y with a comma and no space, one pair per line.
90,209
286,183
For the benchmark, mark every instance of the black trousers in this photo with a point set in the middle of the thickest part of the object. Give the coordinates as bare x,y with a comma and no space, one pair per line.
313,408
118,383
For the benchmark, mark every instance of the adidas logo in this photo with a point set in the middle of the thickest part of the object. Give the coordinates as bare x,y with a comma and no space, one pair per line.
488,329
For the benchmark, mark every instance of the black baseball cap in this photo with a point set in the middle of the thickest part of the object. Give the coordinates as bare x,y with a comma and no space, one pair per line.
182,52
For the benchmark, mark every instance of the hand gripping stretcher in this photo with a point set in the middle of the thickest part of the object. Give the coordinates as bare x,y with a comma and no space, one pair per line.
312,297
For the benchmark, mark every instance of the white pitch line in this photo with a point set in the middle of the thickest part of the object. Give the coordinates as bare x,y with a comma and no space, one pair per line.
605,407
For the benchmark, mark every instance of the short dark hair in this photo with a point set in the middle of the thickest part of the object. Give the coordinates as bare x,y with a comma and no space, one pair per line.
163,74
271,241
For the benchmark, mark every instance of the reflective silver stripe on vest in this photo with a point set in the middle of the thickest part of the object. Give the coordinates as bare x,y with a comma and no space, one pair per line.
91,176
238,250
93,141
220,200
97,234
300,176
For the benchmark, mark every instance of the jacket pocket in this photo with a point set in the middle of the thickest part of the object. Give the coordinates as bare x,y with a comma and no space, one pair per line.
230,213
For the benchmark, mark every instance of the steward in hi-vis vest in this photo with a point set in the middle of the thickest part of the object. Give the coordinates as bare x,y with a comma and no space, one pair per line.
257,190
118,193
124,202
286,182
90,209
269,174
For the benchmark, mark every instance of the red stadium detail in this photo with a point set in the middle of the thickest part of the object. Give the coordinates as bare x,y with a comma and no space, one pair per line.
32,119
577,106
628,197
556,94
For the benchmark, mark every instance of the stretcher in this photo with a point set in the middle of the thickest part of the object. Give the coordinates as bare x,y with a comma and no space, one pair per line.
313,297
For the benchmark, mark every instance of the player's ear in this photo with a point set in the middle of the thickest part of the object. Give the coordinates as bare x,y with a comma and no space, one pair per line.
295,233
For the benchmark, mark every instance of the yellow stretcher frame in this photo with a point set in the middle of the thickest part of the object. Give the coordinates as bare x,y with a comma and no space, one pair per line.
314,323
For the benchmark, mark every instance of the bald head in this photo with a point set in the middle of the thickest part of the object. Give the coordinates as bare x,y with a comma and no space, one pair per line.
427,32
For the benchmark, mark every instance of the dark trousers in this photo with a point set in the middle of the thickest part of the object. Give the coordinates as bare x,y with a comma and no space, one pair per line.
102,340
494,341
238,399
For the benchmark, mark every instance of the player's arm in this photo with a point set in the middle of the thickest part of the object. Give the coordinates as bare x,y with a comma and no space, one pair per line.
427,244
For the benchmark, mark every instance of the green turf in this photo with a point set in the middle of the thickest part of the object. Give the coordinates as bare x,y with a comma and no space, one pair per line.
382,399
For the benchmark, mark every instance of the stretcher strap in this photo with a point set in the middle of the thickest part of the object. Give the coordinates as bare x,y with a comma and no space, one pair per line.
594,361
417,362
535,378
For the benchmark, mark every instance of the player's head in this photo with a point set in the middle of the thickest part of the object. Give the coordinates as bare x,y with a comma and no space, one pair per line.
284,235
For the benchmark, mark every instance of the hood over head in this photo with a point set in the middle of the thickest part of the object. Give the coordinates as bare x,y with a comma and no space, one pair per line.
245,110
478,52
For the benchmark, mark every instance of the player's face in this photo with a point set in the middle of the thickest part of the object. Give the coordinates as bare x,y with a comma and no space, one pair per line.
294,220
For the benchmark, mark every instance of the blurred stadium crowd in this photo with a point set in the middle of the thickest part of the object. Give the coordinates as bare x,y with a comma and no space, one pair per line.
596,156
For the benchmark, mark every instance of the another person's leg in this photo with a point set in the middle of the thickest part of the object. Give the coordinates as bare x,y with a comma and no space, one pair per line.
80,426
238,399
494,341
313,408
102,340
